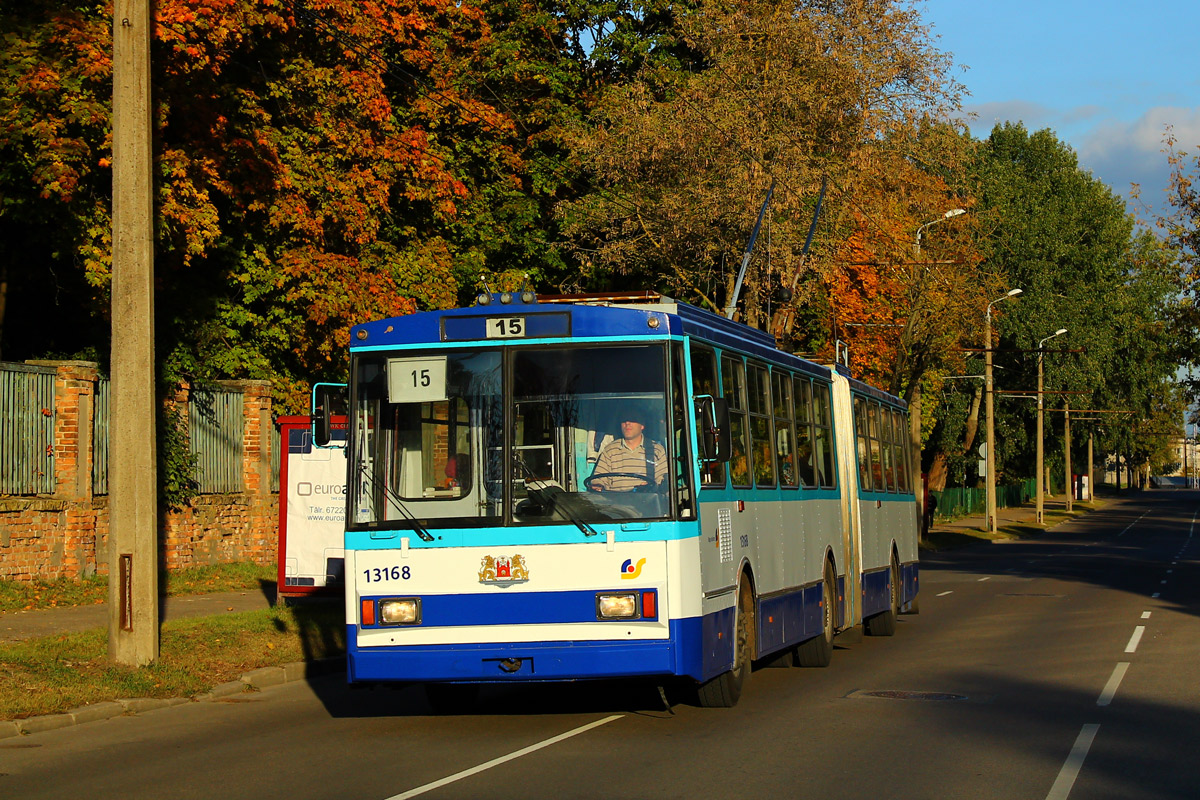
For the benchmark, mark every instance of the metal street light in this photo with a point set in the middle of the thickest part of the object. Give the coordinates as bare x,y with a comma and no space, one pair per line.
954,212
990,455
1040,470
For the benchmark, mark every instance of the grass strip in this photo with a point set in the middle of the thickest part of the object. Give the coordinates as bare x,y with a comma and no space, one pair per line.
62,672
64,592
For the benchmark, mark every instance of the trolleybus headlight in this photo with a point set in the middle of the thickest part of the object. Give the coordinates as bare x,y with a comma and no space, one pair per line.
400,611
617,606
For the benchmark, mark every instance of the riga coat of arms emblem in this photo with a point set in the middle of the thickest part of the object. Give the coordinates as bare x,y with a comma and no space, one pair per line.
503,569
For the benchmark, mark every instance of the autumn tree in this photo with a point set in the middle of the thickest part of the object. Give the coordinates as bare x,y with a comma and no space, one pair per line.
773,95
318,164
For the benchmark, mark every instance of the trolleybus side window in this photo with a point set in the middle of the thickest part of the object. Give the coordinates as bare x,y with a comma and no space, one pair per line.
887,447
863,442
704,382
805,454
903,464
759,391
785,441
823,437
681,469
877,481
733,383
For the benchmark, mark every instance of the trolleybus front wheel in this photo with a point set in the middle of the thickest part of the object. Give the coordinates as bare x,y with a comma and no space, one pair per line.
724,690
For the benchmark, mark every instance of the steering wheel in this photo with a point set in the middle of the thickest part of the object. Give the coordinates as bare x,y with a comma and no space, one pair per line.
587,482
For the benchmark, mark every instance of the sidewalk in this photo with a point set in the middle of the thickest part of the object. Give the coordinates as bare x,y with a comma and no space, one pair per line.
975,526
19,625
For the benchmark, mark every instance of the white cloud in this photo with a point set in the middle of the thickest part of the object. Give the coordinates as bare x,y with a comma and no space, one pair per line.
1121,153
984,116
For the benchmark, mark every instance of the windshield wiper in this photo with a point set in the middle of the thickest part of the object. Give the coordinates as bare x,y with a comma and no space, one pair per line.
547,499
391,496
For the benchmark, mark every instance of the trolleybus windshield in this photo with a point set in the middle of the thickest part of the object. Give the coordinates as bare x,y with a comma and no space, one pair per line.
513,435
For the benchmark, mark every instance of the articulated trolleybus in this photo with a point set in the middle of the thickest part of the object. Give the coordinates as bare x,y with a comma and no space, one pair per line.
587,487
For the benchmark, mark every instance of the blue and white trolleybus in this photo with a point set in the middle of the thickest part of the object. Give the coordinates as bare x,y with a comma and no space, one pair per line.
587,487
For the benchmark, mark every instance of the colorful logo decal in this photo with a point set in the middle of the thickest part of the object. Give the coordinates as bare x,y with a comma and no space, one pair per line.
503,569
629,571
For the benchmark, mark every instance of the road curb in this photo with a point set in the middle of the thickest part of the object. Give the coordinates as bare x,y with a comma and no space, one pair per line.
253,681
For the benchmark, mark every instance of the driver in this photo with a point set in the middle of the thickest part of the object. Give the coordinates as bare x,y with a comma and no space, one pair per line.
628,456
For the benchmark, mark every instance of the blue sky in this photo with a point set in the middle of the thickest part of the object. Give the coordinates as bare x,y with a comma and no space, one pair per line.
1107,77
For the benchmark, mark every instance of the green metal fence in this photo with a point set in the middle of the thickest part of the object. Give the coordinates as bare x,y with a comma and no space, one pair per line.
276,442
215,433
100,438
964,502
26,429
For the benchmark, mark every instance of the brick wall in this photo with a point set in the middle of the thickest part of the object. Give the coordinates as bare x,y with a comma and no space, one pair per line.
66,534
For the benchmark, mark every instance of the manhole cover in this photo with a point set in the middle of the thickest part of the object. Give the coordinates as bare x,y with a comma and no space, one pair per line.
892,694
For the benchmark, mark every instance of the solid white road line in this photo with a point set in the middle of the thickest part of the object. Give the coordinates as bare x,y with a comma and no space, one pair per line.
1110,688
943,594
495,762
1070,769
1133,640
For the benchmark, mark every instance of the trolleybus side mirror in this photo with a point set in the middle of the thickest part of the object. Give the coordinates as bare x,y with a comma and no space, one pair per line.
328,399
713,415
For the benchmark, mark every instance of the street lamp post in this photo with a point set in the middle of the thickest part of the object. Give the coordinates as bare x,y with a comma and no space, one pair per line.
954,212
1040,469
990,456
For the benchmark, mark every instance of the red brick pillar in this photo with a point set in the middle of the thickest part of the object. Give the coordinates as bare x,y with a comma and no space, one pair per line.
261,535
74,411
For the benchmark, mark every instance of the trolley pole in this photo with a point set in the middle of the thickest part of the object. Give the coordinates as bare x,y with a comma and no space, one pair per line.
133,517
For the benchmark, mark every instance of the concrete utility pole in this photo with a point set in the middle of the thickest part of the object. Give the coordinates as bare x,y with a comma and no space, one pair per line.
133,480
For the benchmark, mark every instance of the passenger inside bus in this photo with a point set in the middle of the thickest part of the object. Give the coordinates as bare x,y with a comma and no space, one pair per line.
626,464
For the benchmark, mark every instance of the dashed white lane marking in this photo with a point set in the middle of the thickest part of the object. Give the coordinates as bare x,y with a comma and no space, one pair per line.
1130,525
943,594
985,578
495,762
1154,596
1110,688
1070,769
1133,640
1145,615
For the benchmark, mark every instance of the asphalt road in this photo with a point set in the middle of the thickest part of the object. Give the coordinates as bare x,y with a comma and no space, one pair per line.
1066,665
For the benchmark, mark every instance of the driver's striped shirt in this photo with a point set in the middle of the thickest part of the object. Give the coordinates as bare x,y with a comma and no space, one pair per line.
619,457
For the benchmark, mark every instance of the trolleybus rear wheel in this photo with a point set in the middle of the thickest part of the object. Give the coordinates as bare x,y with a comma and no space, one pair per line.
884,624
818,651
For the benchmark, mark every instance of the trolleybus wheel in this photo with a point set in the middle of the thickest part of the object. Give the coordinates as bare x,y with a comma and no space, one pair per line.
884,624
724,690
818,651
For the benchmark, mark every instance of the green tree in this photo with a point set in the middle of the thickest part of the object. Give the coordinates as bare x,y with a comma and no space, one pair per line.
1059,234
